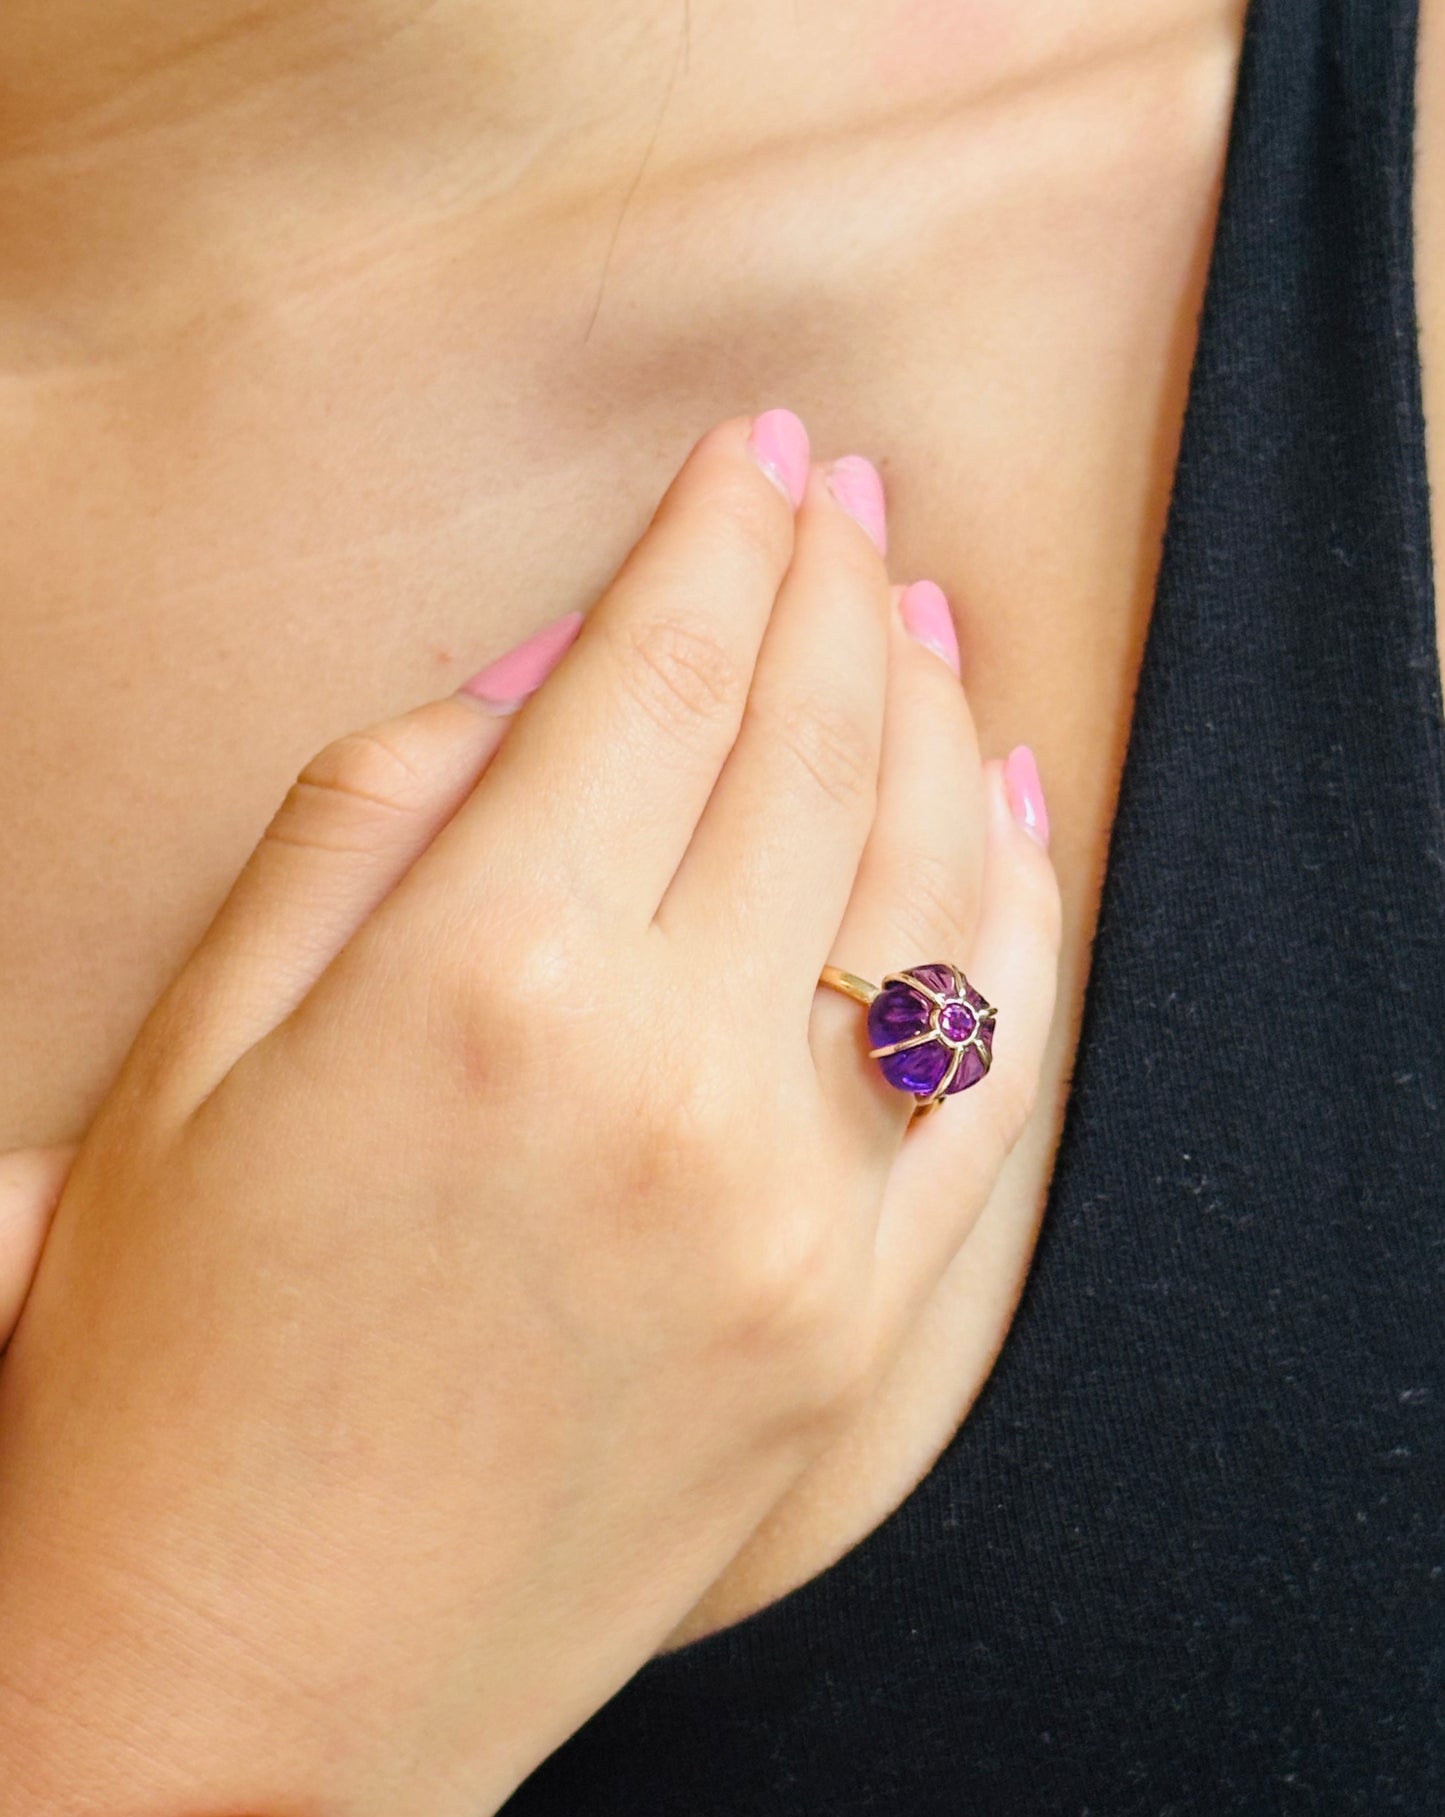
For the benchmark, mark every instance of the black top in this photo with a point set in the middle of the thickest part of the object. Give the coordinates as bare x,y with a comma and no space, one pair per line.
1187,1552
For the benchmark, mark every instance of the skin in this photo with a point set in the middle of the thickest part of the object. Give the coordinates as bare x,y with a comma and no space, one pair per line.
1006,215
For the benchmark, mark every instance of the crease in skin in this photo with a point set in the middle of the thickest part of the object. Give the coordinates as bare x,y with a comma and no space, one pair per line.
479,97
680,64
337,36
31,1182
451,198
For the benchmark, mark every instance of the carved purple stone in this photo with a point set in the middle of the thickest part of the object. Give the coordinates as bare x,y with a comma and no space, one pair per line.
900,1014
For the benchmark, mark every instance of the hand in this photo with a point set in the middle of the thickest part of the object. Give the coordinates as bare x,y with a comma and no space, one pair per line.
492,1219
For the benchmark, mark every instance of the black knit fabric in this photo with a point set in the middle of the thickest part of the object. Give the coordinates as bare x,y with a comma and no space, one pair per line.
1187,1553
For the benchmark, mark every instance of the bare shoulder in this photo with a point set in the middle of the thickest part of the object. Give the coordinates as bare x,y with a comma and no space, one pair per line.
1430,268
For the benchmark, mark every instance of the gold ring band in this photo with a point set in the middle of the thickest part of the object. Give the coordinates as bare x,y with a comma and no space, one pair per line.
851,985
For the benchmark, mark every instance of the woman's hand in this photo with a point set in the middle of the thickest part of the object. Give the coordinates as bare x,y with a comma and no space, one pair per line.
492,1219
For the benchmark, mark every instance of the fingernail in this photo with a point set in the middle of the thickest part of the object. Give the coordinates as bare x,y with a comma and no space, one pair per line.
504,684
924,607
1026,793
778,442
858,488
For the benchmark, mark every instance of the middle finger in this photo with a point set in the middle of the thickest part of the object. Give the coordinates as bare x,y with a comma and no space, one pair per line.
772,861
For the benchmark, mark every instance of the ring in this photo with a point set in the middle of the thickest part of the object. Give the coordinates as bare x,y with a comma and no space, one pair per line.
931,1031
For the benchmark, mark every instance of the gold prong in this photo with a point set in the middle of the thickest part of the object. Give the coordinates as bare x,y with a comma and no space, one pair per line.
949,1077
937,1097
899,1047
910,983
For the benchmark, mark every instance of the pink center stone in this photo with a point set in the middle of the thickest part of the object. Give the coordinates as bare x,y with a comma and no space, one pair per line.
956,1021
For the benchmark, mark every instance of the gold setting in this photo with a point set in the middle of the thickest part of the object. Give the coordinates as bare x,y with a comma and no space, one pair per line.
862,992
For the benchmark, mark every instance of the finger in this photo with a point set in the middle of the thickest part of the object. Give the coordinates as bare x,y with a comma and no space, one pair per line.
31,1182
358,816
915,899
603,779
776,851
951,1158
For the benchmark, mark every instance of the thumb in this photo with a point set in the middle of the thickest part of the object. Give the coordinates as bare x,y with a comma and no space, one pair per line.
358,816
31,1182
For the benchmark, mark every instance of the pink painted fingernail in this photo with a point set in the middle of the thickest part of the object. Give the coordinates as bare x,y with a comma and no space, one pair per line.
858,488
924,607
1026,793
504,684
778,442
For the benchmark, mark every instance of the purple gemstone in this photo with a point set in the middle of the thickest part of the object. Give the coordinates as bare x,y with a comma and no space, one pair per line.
936,977
970,1070
957,1020
897,1014
918,1069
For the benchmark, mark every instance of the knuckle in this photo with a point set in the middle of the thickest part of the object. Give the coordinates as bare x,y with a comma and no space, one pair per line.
683,1136
506,991
535,978
773,1289
754,518
371,769
856,566
835,747
790,1295
940,899
779,1278
682,674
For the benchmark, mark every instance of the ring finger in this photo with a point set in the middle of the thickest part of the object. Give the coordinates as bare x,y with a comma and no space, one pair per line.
916,896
